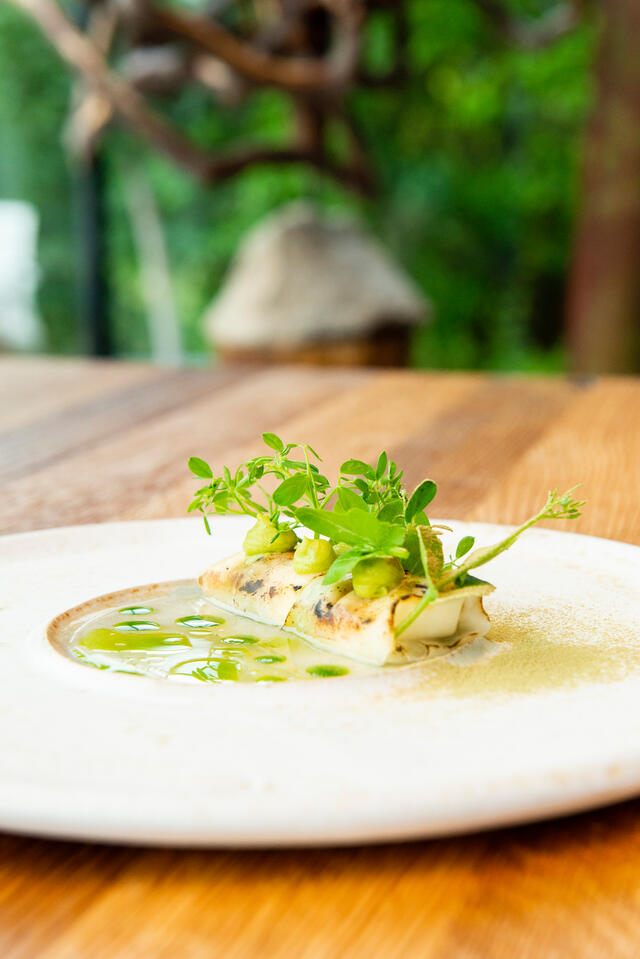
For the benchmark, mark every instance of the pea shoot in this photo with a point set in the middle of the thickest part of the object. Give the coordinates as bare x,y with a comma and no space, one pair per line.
366,528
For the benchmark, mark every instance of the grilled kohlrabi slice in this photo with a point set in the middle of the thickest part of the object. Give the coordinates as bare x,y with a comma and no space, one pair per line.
269,590
263,588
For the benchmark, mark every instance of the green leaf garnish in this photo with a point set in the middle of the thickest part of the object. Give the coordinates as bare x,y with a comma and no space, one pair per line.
357,468
290,490
381,467
354,527
199,468
273,441
367,515
420,498
349,499
465,544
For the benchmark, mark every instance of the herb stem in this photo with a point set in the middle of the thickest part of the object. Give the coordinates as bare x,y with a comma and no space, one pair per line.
312,486
556,507
428,598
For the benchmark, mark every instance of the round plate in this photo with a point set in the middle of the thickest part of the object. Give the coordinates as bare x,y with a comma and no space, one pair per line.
413,753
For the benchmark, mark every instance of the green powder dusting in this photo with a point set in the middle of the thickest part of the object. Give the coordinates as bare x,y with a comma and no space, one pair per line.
527,660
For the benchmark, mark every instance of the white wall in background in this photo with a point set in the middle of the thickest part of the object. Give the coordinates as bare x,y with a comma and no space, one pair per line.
20,324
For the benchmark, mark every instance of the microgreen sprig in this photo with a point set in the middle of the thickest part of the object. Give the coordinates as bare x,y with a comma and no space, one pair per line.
378,489
243,492
557,506
367,515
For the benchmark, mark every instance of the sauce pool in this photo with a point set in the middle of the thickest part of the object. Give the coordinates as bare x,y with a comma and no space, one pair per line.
181,636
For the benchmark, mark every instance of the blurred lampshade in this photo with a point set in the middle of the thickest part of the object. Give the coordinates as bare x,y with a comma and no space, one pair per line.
304,285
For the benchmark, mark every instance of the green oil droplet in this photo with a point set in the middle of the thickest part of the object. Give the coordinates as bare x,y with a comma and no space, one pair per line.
270,659
136,610
136,626
111,641
199,622
240,640
327,671
271,679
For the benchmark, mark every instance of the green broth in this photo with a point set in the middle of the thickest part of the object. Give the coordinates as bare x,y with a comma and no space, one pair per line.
189,641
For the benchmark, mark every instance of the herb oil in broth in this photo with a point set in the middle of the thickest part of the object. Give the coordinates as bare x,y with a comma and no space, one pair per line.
183,637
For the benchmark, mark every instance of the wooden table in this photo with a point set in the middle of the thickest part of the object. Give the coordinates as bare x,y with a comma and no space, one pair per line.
83,442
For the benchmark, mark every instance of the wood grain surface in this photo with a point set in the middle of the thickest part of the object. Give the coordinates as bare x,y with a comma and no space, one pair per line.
88,442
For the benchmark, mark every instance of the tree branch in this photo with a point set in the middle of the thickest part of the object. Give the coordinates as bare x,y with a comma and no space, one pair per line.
131,107
296,74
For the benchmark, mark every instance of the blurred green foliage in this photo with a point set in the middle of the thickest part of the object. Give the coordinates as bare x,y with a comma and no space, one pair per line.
477,157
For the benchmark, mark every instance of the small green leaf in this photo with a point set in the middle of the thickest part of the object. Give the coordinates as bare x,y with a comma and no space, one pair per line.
383,459
348,499
420,498
465,544
290,490
356,527
357,468
391,511
273,441
343,565
199,468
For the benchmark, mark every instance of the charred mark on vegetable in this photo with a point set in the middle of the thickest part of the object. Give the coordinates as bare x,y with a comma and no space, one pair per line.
252,586
323,609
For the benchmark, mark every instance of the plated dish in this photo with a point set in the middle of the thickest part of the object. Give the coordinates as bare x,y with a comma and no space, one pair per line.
318,670
539,717
354,570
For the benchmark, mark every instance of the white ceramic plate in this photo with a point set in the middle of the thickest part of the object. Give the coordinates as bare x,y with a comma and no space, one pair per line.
93,755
